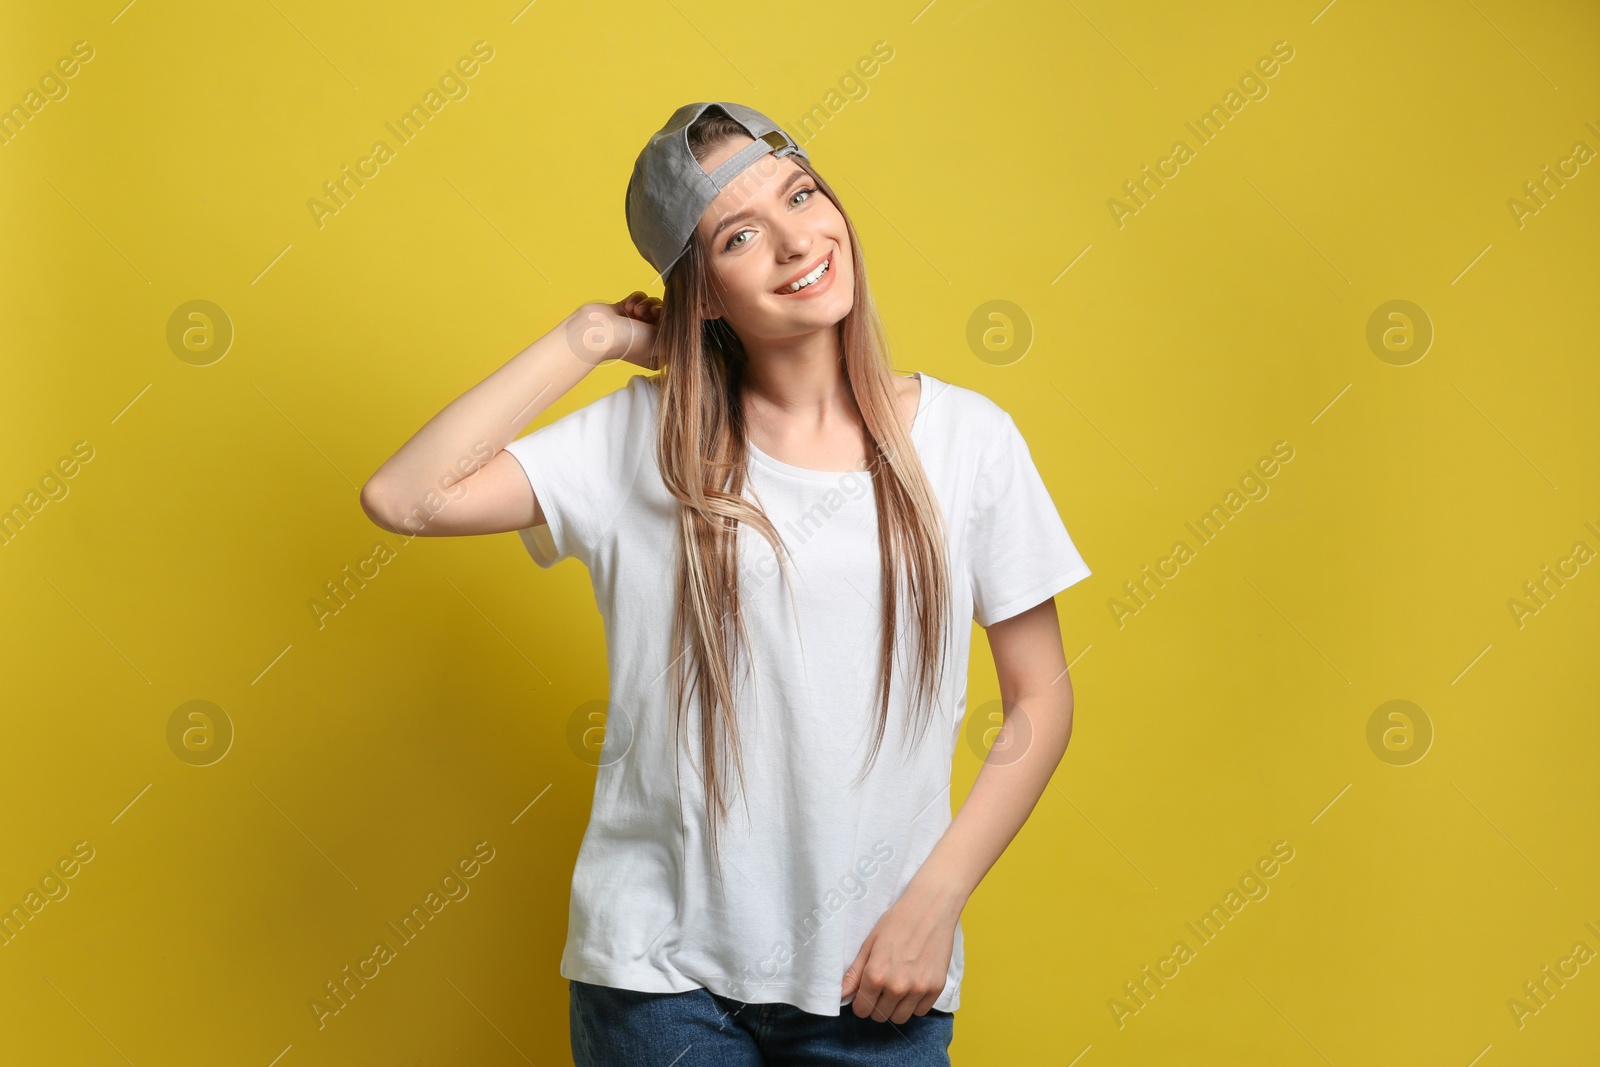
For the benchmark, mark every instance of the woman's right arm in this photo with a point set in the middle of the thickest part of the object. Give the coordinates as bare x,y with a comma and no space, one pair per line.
453,476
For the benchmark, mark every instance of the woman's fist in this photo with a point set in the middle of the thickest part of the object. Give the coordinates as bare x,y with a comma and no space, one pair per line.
641,316
625,330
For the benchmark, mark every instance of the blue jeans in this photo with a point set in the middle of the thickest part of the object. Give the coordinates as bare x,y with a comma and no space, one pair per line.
628,1028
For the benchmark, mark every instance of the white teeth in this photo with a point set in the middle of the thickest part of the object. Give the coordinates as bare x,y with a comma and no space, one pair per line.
822,268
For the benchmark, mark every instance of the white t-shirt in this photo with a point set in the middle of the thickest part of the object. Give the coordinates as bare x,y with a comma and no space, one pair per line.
814,864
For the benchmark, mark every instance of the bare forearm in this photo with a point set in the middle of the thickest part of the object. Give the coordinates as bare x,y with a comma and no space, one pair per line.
484,419
1007,789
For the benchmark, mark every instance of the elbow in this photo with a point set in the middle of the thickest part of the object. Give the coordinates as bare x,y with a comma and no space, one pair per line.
376,505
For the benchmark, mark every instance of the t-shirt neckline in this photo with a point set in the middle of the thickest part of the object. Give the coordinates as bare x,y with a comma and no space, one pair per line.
814,475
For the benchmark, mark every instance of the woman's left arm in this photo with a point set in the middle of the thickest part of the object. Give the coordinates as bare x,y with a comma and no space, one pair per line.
901,969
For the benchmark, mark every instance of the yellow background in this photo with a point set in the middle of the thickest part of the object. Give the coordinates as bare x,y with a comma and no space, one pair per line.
432,712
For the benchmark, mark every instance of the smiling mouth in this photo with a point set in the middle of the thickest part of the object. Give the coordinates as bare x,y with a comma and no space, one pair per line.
810,278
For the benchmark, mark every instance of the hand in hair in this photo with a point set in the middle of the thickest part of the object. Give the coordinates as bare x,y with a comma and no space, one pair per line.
641,315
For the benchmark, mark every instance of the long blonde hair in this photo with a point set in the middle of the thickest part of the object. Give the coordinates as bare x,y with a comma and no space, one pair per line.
701,451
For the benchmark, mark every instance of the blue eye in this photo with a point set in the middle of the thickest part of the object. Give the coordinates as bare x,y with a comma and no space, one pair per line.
741,233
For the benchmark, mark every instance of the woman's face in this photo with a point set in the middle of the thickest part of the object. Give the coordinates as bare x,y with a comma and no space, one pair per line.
768,228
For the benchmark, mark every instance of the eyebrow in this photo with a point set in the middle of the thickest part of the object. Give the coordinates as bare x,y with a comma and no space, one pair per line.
740,216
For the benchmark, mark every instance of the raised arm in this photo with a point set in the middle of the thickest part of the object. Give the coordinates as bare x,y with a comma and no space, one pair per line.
453,477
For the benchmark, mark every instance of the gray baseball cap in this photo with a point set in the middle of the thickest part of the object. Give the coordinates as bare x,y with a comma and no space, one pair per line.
670,190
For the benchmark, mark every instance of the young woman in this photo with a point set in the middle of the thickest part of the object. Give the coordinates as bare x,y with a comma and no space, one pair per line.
786,540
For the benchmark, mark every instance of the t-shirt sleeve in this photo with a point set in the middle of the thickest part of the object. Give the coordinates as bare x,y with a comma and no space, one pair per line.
1022,554
582,468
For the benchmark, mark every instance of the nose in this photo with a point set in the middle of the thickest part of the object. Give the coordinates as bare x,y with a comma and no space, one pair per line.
792,239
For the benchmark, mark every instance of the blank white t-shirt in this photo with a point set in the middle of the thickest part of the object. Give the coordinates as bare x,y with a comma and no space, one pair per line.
809,864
